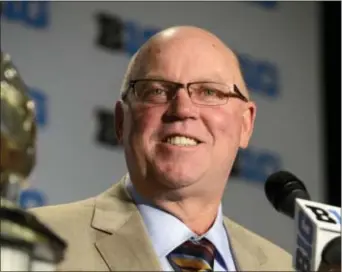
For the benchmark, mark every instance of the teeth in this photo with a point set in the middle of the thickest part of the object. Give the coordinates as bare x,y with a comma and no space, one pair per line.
181,141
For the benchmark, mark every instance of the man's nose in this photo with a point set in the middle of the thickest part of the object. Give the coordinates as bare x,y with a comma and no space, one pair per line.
181,106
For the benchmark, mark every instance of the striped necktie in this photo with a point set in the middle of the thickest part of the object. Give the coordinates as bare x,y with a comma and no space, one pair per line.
193,256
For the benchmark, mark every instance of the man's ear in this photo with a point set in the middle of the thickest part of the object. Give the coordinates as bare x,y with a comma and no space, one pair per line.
119,120
247,127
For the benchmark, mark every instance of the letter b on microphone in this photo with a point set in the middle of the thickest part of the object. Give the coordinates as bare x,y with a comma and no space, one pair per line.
327,216
316,225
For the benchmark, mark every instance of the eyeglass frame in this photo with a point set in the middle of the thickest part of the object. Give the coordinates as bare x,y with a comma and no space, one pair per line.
131,86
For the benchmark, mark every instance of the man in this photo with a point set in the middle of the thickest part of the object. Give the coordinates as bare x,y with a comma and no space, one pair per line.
185,112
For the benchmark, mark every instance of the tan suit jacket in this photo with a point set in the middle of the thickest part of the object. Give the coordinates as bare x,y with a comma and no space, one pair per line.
107,233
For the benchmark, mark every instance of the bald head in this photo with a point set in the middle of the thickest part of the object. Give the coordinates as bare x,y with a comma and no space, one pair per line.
190,47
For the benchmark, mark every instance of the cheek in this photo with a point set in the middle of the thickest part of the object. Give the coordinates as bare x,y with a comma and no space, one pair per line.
226,134
141,125
225,128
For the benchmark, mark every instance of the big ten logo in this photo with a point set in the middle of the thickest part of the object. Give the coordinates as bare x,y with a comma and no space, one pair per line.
114,34
261,76
105,128
40,101
256,165
118,35
33,14
30,198
328,215
305,237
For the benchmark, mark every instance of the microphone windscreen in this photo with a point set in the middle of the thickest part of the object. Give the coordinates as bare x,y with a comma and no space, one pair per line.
282,188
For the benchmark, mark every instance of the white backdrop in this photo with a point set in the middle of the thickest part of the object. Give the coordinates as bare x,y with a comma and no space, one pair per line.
77,76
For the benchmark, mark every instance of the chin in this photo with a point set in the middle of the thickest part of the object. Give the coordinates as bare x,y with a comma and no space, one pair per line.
179,177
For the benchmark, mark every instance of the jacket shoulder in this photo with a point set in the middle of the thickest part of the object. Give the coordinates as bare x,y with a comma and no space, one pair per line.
72,222
268,252
66,216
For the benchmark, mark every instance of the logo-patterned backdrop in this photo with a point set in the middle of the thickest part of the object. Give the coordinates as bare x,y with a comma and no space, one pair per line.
73,56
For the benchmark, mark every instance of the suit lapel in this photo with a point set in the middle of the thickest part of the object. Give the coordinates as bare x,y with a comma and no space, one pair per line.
122,239
247,255
123,242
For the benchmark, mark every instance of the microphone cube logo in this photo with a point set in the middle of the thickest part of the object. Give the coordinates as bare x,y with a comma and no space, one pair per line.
330,215
325,216
304,241
316,225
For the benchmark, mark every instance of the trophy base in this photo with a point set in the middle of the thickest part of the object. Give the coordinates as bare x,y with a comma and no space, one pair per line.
26,243
15,254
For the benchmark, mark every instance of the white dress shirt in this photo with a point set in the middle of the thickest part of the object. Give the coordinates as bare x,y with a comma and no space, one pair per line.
167,233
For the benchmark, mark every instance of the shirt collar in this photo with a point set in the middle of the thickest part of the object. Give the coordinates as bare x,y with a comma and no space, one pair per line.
167,232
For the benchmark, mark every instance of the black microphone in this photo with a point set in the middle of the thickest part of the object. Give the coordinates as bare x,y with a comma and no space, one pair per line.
317,225
282,188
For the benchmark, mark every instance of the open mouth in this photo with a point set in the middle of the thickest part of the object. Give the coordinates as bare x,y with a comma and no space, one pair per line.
181,140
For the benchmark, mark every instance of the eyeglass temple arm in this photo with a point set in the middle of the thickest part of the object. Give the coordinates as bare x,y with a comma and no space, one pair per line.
239,94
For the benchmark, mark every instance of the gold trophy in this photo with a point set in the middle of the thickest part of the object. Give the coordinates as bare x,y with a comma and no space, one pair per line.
25,243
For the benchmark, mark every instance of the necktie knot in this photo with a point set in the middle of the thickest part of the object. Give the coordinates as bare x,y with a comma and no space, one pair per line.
193,255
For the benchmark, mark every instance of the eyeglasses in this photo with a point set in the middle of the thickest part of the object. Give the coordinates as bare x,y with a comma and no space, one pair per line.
201,93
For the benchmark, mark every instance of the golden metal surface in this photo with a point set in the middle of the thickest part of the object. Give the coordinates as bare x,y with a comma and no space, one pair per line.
18,126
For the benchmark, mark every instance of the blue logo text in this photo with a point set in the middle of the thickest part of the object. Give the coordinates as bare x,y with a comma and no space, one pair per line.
31,198
256,165
262,77
33,14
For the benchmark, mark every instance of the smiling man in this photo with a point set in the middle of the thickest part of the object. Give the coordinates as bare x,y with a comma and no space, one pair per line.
184,113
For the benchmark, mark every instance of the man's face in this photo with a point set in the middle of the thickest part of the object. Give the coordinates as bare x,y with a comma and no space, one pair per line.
156,137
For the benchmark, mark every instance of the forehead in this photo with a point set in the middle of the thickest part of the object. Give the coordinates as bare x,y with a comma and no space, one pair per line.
188,60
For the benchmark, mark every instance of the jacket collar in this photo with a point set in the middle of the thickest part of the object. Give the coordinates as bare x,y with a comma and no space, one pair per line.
124,244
